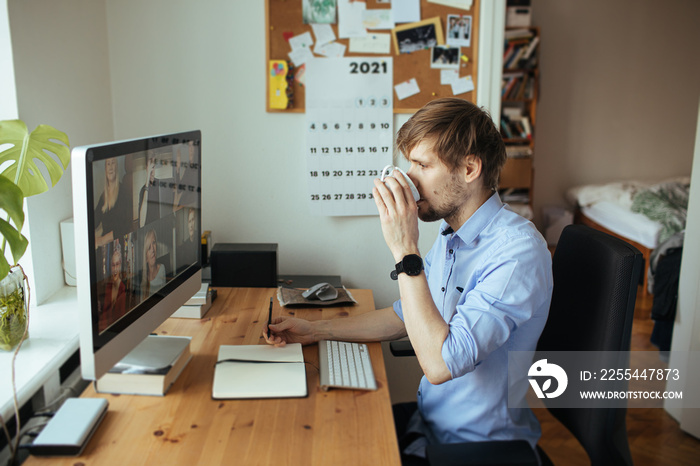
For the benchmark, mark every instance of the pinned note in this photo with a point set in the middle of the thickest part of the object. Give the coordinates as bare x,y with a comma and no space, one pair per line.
377,19
324,33
407,89
350,19
462,85
371,43
301,41
278,84
448,76
332,50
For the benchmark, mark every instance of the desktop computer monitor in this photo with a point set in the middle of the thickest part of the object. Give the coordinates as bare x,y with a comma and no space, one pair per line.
137,217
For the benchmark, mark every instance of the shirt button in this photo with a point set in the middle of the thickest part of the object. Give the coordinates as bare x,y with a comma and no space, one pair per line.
452,251
418,392
443,289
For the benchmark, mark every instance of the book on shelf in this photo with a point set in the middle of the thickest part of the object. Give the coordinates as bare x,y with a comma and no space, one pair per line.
514,61
512,112
508,53
510,80
518,33
196,311
150,369
519,49
527,128
531,48
518,151
517,86
515,126
259,371
505,127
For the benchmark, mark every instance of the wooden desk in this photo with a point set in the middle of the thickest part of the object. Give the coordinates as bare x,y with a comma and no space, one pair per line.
188,427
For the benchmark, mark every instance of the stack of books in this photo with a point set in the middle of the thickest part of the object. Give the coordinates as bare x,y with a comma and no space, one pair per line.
197,305
150,369
519,151
517,85
515,125
519,49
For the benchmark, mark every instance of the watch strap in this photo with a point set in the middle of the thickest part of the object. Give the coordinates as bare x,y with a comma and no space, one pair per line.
399,268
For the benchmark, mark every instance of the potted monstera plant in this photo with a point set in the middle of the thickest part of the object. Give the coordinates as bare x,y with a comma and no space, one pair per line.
21,155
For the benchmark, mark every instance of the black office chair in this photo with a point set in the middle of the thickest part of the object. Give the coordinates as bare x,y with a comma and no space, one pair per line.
595,287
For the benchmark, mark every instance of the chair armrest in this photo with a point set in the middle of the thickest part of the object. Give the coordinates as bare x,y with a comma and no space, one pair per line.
400,348
497,452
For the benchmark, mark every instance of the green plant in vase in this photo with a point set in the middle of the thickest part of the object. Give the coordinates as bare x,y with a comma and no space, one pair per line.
21,153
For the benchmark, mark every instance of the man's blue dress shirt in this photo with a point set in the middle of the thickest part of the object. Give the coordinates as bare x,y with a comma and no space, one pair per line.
492,282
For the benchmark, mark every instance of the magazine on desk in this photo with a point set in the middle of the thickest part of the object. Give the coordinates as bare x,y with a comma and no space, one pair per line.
259,371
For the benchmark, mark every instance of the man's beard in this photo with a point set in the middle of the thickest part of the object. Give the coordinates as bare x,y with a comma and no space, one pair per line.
454,201
433,215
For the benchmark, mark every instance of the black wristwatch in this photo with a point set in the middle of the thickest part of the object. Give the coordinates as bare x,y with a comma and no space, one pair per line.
411,264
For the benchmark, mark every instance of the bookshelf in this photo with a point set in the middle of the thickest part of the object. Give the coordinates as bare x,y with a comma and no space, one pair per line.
519,92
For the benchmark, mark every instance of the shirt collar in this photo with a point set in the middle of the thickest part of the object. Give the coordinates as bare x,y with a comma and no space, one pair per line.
477,222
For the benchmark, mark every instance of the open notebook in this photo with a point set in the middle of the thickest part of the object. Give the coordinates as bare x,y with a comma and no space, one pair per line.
259,371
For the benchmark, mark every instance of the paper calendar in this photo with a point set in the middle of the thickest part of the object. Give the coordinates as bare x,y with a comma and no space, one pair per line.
349,132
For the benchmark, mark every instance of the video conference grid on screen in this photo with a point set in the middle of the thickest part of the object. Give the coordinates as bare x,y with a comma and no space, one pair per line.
146,223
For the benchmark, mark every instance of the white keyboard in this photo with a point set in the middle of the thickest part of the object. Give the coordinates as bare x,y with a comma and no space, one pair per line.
345,365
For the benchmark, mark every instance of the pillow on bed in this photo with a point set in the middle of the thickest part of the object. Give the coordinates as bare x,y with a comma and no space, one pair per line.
621,192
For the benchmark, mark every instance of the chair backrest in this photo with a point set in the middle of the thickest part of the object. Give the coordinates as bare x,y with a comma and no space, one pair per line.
595,286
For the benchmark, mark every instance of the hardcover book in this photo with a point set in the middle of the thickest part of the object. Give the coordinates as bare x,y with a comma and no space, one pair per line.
141,377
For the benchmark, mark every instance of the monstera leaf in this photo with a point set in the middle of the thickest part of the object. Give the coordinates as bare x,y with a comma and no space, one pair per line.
11,201
26,149
20,153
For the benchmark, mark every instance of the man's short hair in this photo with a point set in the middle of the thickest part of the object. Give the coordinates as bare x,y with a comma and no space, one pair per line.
456,128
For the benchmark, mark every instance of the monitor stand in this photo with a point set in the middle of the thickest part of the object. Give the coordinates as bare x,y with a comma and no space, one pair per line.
150,368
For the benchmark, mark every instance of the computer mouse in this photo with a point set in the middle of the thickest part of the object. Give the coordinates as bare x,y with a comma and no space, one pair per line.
389,169
322,291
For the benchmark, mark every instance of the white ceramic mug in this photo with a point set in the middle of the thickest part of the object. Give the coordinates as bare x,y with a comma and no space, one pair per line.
389,169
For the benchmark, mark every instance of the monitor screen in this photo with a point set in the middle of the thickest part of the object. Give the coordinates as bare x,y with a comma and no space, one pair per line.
137,218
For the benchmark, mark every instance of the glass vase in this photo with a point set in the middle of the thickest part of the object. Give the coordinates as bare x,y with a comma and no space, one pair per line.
13,309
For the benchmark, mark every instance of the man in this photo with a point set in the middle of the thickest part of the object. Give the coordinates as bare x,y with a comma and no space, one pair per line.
190,244
485,289
149,196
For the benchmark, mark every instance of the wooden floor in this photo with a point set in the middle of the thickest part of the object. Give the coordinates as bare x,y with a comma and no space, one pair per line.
654,436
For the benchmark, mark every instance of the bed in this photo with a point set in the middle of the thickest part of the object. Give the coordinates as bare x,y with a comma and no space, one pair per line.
648,215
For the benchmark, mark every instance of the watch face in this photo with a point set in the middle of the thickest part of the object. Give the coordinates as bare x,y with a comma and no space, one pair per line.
412,264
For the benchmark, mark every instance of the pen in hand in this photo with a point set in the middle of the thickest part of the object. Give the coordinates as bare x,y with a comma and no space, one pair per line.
269,319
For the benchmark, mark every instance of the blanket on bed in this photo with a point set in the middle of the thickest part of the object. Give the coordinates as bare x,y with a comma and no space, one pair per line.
666,203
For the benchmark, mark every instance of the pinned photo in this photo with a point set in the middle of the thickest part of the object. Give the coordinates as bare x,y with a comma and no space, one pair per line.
459,30
318,11
444,57
418,36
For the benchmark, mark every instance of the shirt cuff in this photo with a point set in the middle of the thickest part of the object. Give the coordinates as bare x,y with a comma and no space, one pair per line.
398,309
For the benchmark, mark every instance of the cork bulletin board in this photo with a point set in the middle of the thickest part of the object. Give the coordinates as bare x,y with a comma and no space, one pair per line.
284,19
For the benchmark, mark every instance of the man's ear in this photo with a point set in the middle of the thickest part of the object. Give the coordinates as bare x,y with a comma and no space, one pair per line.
472,168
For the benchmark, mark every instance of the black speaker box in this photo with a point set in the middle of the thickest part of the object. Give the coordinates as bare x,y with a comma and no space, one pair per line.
244,265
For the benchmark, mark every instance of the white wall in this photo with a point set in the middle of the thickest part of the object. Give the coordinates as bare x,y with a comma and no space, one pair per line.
62,79
619,88
8,93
